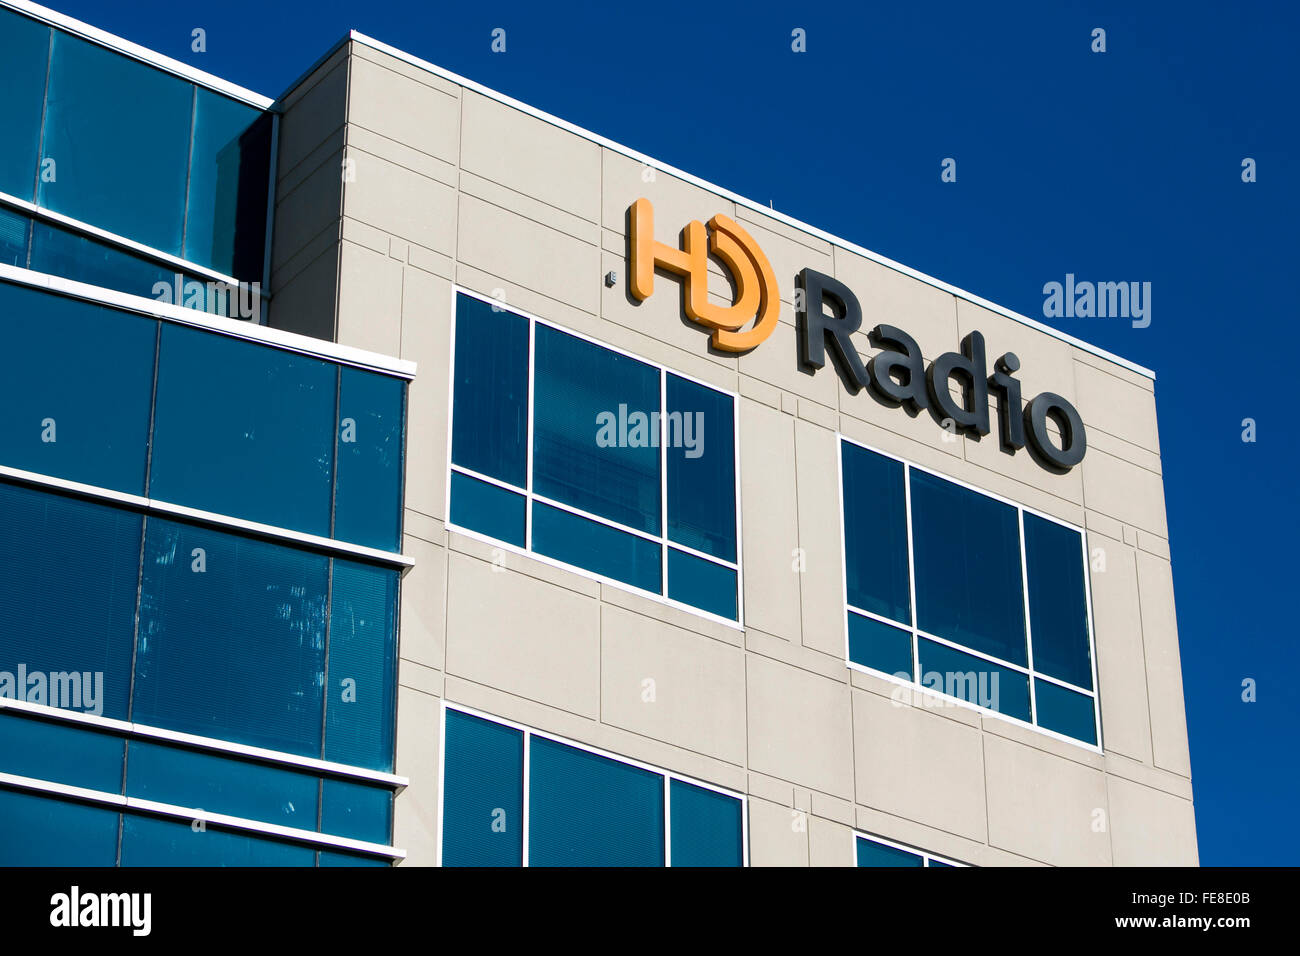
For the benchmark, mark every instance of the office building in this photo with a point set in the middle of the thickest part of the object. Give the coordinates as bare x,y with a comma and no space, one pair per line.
394,473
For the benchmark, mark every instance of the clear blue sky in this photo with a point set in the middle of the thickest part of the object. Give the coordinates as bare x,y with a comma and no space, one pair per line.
1117,166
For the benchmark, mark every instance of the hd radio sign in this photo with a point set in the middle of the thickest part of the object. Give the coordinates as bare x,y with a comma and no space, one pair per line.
828,315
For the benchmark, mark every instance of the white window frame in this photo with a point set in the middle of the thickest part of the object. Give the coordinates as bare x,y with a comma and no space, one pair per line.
925,855
529,496
529,732
914,685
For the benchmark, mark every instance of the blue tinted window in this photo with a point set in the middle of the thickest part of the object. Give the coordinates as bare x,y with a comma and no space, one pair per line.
225,211
244,430
871,853
706,827
50,751
875,533
237,649
1058,608
14,230
880,646
600,424
597,547
76,381
24,54
1065,711
594,444
350,859
37,831
61,252
702,584
967,561
368,506
68,578
148,841
488,509
974,679
701,461
359,703
67,253
588,810
355,810
119,134
483,793
490,428
191,778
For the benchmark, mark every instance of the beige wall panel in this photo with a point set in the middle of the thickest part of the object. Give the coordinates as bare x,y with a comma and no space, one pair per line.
1150,827
415,811
426,340
1045,807
778,835
821,584
800,727
403,110
769,520
672,685
1121,660
424,603
1116,406
1124,491
918,765
400,202
370,300
1164,671
520,251
512,632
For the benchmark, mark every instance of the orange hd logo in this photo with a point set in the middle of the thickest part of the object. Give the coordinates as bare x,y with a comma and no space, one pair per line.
757,297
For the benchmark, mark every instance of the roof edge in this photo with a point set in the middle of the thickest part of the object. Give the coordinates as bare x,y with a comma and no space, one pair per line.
747,203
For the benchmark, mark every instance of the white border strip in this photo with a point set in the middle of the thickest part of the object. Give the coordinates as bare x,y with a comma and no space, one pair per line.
213,744
747,203
332,546
154,808
263,335
137,52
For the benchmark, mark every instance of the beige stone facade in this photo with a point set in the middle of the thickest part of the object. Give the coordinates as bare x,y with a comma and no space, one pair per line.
445,186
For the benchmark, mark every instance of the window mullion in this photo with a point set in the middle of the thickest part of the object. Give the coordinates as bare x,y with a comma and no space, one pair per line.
528,436
1028,632
663,481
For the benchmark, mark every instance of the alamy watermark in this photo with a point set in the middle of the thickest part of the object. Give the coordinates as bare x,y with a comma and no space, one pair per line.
133,911
241,300
68,690
974,687
624,429
1102,300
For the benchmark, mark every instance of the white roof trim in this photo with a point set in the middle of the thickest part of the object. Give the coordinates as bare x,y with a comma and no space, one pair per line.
137,52
747,203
